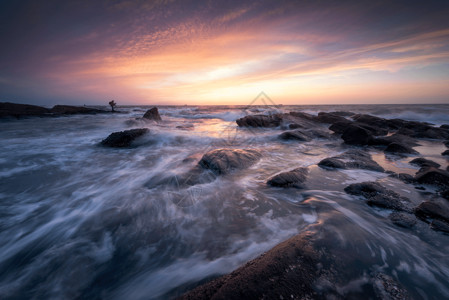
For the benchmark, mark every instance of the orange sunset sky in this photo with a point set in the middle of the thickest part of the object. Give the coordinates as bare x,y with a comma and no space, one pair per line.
224,52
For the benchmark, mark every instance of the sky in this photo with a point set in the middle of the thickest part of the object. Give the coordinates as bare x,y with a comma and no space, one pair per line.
223,52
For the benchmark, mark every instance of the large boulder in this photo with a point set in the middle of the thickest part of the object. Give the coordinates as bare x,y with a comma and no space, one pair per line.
15,110
292,269
356,135
260,121
223,161
123,139
152,114
293,178
433,176
72,110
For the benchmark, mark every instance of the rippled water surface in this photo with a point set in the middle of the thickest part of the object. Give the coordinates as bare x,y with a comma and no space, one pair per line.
78,220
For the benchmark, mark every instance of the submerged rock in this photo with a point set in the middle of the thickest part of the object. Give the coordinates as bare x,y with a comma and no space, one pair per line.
259,121
386,288
293,178
15,110
152,114
422,162
434,209
402,219
377,195
440,225
366,189
297,135
123,139
433,176
404,177
222,161
398,148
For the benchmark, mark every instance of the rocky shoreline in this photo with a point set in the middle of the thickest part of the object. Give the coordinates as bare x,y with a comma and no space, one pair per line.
294,268
17,111
304,266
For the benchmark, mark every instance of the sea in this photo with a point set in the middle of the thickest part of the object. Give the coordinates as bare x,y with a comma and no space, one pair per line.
82,221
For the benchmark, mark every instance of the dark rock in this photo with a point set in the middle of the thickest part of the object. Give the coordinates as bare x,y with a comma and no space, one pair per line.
332,163
123,138
445,153
404,177
446,143
352,159
400,149
445,126
291,269
402,219
355,135
439,225
435,209
366,189
390,200
8,109
152,114
377,195
222,161
324,117
424,131
72,110
343,113
302,115
295,135
371,120
259,121
185,127
294,126
293,178
340,127
386,288
394,138
432,176
422,162
445,194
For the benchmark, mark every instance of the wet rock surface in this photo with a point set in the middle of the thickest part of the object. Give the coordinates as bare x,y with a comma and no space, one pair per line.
422,162
401,219
123,139
433,176
259,121
15,110
351,159
223,161
377,195
290,269
293,178
398,148
152,114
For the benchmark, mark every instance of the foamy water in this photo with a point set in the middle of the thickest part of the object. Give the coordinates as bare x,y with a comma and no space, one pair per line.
78,220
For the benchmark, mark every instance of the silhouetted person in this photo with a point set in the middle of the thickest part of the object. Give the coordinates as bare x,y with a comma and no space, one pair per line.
112,104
